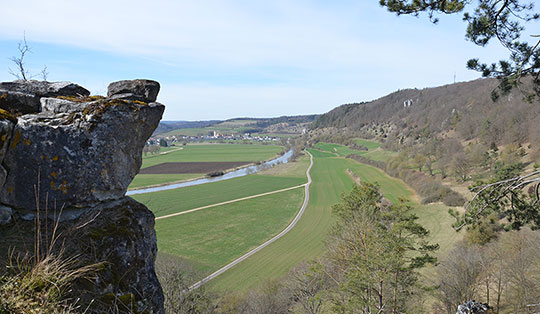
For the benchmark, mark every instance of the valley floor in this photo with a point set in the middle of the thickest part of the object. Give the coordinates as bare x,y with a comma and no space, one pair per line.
228,222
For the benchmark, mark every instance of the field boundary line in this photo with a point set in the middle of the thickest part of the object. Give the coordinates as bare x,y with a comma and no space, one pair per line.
229,202
265,244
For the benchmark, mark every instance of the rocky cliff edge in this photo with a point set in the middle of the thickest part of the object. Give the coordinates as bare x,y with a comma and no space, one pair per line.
68,157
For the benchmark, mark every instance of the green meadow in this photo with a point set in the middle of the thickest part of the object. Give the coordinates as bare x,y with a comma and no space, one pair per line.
216,152
306,240
179,200
211,238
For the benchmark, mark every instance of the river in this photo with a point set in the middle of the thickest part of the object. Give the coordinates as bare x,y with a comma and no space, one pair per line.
229,175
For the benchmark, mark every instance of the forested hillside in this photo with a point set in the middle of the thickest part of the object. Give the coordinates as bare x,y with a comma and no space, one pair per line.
463,110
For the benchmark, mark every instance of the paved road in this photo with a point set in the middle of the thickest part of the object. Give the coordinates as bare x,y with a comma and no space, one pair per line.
260,247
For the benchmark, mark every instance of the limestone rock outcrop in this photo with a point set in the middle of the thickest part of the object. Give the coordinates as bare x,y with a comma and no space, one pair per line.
69,157
86,156
23,97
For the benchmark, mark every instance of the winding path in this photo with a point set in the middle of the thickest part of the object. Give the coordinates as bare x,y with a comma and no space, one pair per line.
260,247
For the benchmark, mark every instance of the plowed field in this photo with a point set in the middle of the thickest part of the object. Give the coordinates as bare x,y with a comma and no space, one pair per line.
192,167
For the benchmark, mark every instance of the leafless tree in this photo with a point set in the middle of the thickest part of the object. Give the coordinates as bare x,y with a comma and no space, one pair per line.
44,73
457,276
21,72
307,283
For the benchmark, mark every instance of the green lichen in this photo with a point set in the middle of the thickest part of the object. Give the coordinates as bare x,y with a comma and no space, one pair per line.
16,139
81,99
4,114
99,108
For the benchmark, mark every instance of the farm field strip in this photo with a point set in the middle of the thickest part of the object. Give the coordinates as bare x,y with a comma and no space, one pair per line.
265,244
229,202
201,153
216,153
178,200
148,180
209,239
184,167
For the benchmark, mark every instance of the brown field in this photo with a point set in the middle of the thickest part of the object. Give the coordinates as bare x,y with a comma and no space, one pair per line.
192,167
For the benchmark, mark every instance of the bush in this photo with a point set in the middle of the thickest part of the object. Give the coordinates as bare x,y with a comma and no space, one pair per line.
453,199
176,277
430,199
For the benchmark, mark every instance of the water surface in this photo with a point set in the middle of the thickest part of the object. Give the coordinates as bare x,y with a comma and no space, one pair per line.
229,175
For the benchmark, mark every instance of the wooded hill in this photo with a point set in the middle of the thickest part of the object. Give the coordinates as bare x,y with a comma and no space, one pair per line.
411,115
283,124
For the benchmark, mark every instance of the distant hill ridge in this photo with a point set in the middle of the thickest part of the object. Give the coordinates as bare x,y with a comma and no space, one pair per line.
466,108
253,124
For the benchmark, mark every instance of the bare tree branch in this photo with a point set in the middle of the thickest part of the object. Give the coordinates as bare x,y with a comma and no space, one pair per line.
21,72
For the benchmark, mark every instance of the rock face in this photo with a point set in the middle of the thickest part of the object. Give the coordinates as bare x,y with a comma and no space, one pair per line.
78,153
123,232
80,158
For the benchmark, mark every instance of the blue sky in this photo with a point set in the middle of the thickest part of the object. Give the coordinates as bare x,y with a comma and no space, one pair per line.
225,59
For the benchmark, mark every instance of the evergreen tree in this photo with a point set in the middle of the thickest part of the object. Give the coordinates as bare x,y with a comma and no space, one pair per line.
490,19
377,251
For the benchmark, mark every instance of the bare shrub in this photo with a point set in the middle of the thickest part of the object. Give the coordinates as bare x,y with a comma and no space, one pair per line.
176,277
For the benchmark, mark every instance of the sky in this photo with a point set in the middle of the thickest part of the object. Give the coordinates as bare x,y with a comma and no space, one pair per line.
240,58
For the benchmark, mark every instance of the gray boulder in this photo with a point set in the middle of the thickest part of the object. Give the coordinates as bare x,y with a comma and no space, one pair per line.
23,97
142,90
77,159
45,89
473,307
18,102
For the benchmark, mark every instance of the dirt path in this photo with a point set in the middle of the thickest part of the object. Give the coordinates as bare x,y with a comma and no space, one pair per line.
231,201
260,247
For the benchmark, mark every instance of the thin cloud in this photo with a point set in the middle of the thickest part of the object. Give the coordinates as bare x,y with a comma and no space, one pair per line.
290,56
